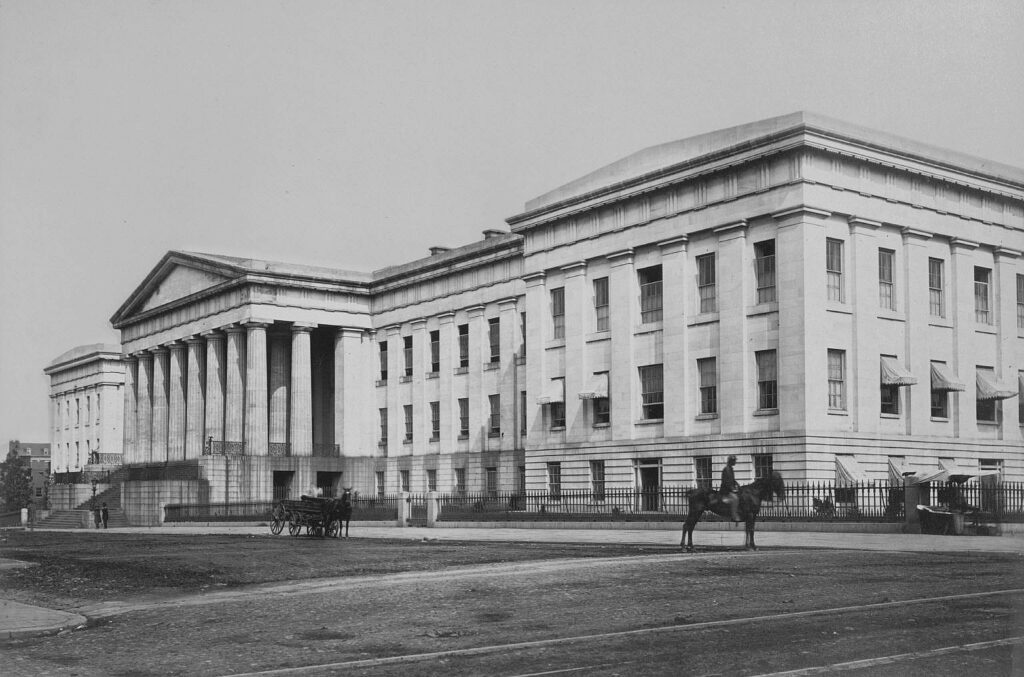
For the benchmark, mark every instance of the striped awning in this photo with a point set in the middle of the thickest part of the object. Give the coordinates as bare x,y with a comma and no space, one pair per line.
848,471
943,378
898,470
990,388
597,388
894,374
555,392
939,474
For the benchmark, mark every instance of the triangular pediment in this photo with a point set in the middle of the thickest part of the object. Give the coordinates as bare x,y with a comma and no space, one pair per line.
179,282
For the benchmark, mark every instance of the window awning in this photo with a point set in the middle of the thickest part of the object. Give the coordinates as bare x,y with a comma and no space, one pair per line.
943,378
898,470
939,474
848,471
990,388
894,374
597,388
555,393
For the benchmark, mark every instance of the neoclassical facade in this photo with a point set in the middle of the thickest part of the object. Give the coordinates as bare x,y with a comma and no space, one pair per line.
814,297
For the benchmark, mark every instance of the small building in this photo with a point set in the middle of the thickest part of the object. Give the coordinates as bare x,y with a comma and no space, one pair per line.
39,460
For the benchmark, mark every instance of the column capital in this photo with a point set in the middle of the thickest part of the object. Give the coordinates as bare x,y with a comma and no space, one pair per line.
856,223
130,357
534,279
349,333
419,324
956,243
507,304
234,329
143,355
675,245
298,327
177,344
194,339
391,330
159,350
800,214
574,269
212,335
446,318
475,311
623,257
913,234
1005,253
257,324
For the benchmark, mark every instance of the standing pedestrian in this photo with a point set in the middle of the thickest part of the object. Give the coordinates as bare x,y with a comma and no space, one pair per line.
96,516
105,515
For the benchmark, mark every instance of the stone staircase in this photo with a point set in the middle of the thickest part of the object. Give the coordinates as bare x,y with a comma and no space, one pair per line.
81,517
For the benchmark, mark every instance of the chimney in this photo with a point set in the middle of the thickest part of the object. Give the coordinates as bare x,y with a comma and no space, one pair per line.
434,251
489,233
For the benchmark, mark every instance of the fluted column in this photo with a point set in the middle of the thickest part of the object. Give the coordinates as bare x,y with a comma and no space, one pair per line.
215,385
234,386
352,412
278,398
195,405
256,426
144,410
129,451
301,415
160,368
176,403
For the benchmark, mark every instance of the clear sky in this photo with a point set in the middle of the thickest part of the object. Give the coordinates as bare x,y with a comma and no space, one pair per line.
358,134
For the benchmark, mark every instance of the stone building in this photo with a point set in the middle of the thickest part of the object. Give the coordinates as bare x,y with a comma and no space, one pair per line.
39,459
814,297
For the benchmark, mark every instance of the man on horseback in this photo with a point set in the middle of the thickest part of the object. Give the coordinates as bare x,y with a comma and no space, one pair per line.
728,488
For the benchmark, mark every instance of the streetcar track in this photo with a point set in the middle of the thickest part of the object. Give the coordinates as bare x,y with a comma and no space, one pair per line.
516,646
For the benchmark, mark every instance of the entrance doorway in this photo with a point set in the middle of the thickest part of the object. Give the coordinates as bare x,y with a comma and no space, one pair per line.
648,478
327,483
283,484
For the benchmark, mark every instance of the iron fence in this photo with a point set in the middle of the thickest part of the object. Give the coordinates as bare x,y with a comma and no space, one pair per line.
363,509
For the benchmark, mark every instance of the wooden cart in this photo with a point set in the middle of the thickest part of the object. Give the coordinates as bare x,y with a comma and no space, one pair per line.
316,516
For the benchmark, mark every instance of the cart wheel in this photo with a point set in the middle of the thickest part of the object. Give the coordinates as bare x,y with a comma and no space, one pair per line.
277,520
334,529
294,529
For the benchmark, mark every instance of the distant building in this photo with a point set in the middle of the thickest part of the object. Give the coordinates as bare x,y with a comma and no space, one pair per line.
38,455
86,408
812,296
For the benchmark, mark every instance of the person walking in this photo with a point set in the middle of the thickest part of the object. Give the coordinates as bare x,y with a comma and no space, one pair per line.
105,515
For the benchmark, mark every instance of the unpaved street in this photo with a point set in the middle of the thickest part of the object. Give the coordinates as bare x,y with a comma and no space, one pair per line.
659,612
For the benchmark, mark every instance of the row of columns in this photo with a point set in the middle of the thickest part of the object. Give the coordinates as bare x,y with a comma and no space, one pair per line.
235,385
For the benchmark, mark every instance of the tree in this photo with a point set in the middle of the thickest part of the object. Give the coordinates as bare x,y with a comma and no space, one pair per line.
15,480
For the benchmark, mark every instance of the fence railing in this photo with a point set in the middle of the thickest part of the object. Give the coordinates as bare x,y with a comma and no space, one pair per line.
804,502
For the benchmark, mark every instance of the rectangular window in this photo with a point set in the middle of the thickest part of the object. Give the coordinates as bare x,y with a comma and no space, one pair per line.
383,360
886,294
601,304
403,479
558,408
380,482
650,294
463,417
522,412
78,411
460,481
1020,398
435,420
522,335
602,405
764,270
431,479
558,313
837,379
767,380
435,351
383,413
407,341
707,370
491,482
651,392
986,410
762,465
890,395
834,269
597,479
494,336
88,409
703,471
1020,301
555,481
706,284
408,422
494,429
939,400
463,345
982,295
936,287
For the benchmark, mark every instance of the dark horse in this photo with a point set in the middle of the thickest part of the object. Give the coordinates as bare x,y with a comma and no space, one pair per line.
343,512
751,496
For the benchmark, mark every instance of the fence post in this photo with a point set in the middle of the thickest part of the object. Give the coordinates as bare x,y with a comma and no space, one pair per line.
404,509
433,508
912,496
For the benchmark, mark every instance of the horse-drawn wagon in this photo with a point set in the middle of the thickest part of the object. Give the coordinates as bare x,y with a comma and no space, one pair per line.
314,515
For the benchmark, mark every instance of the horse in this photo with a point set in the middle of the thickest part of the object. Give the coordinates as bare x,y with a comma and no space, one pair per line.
750,498
343,512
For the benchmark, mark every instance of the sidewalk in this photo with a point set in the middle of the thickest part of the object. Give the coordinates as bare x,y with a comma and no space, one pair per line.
22,620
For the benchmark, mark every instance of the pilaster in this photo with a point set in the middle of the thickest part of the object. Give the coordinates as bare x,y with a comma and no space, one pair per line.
539,318
737,392
447,348
256,406
301,414
129,449
420,409
915,300
623,378
963,404
861,290
195,404
507,381
144,409
577,312
675,356
477,397
234,395
277,382
354,413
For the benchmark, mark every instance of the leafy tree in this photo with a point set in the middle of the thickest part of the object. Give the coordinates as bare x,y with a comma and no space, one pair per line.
15,480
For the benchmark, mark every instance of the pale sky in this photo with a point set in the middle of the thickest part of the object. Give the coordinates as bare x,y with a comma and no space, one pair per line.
358,134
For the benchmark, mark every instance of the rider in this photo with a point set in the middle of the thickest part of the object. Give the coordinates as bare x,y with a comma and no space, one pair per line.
727,490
